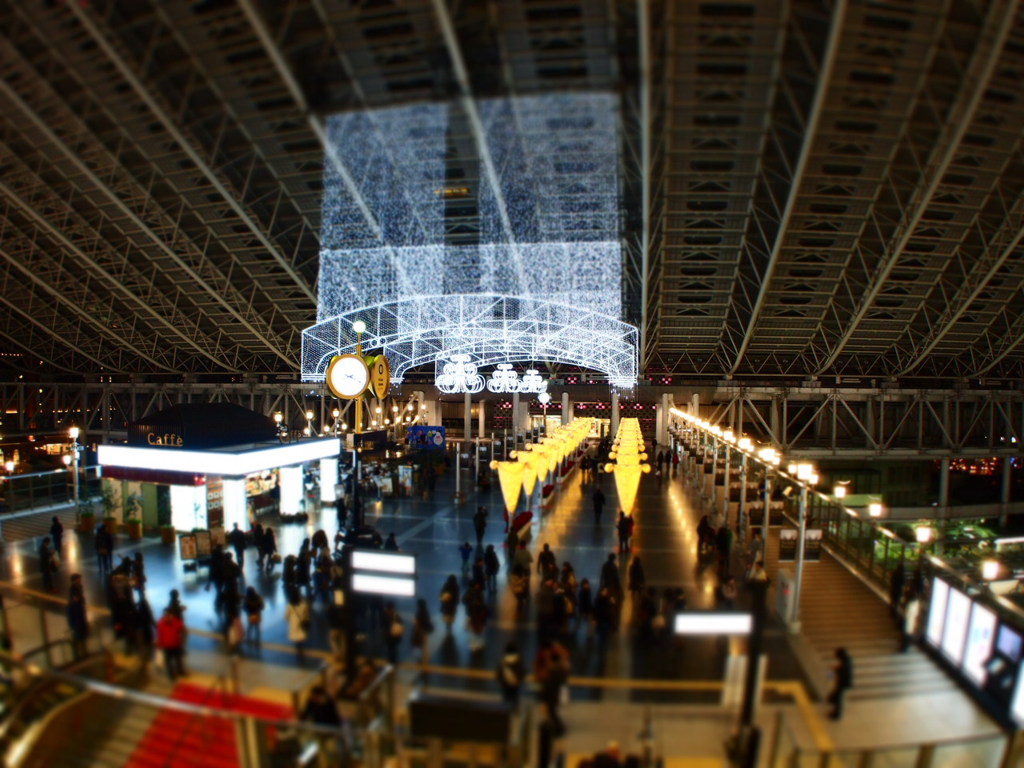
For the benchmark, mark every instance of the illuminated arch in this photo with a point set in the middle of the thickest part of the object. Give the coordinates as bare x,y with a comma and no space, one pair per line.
490,328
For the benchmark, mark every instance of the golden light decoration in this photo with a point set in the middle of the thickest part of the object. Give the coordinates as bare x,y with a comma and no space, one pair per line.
530,465
629,462
510,478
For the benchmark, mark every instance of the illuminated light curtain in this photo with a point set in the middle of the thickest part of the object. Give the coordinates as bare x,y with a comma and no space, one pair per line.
627,483
542,460
510,478
529,462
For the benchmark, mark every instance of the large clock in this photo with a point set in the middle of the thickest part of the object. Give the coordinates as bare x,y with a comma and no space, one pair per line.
347,376
380,376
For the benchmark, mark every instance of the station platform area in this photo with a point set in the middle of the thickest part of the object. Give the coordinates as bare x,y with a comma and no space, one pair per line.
661,690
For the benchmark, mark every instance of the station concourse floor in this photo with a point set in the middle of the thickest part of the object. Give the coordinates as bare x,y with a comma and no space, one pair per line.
664,539
666,515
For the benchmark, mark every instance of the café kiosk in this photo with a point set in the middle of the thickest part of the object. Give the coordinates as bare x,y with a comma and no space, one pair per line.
212,460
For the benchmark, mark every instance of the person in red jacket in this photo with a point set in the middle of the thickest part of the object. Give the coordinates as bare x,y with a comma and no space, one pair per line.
170,639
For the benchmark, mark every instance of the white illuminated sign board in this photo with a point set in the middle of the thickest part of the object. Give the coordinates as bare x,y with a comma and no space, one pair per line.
383,585
383,562
937,612
218,462
1017,706
954,634
696,623
979,643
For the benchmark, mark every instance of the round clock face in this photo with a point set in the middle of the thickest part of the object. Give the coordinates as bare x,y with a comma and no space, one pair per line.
380,376
347,376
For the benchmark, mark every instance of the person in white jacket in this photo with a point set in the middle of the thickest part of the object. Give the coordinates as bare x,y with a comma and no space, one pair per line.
297,616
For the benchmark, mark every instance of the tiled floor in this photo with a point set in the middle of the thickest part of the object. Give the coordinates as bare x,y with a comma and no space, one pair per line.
665,540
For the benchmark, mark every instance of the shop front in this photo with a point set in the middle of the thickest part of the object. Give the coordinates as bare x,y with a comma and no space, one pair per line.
211,465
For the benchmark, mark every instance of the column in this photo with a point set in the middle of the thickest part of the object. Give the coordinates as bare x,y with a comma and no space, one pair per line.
328,479
1004,492
663,413
615,413
467,419
515,421
798,579
481,419
289,480
566,415
235,508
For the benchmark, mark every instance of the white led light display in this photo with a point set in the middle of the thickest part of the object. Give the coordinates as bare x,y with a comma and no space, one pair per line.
385,562
383,585
696,623
218,462
458,376
519,293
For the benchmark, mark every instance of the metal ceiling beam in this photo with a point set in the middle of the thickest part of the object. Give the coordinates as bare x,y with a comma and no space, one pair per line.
1000,21
644,31
186,146
476,126
106,191
284,71
102,329
53,334
810,132
141,305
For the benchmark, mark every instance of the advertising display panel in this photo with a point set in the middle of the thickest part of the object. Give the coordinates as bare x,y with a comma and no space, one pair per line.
954,633
937,612
980,638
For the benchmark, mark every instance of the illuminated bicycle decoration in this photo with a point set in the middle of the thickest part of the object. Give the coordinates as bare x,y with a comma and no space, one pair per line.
459,376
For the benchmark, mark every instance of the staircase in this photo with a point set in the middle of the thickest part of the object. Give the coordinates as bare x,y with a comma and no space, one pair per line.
838,609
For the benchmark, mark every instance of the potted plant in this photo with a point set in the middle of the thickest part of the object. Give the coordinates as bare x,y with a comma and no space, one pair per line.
109,507
168,534
134,527
87,521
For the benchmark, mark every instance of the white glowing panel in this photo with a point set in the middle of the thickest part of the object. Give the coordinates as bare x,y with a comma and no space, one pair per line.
188,507
695,623
384,562
1017,706
937,612
289,481
383,585
236,508
328,479
954,634
980,639
217,462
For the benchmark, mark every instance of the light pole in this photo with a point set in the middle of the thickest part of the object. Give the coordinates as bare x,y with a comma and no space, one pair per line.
73,433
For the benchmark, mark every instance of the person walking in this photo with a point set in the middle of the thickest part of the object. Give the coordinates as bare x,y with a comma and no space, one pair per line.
422,629
49,562
237,541
394,630
465,552
477,614
622,529
610,575
252,605
896,583
57,534
675,463
170,639
511,674
104,545
449,601
145,627
491,567
546,563
297,616
585,604
78,622
480,525
257,542
598,499
842,681
139,574
636,579
269,548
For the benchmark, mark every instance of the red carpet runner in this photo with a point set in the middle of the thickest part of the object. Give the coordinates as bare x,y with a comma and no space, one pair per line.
185,739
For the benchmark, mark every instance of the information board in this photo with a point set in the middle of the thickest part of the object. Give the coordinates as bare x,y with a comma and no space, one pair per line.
954,634
937,612
980,638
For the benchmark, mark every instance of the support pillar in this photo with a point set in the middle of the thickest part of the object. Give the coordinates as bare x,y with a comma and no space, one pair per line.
328,479
615,413
467,419
943,507
794,624
289,481
515,421
726,485
566,410
235,508
741,508
1004,492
